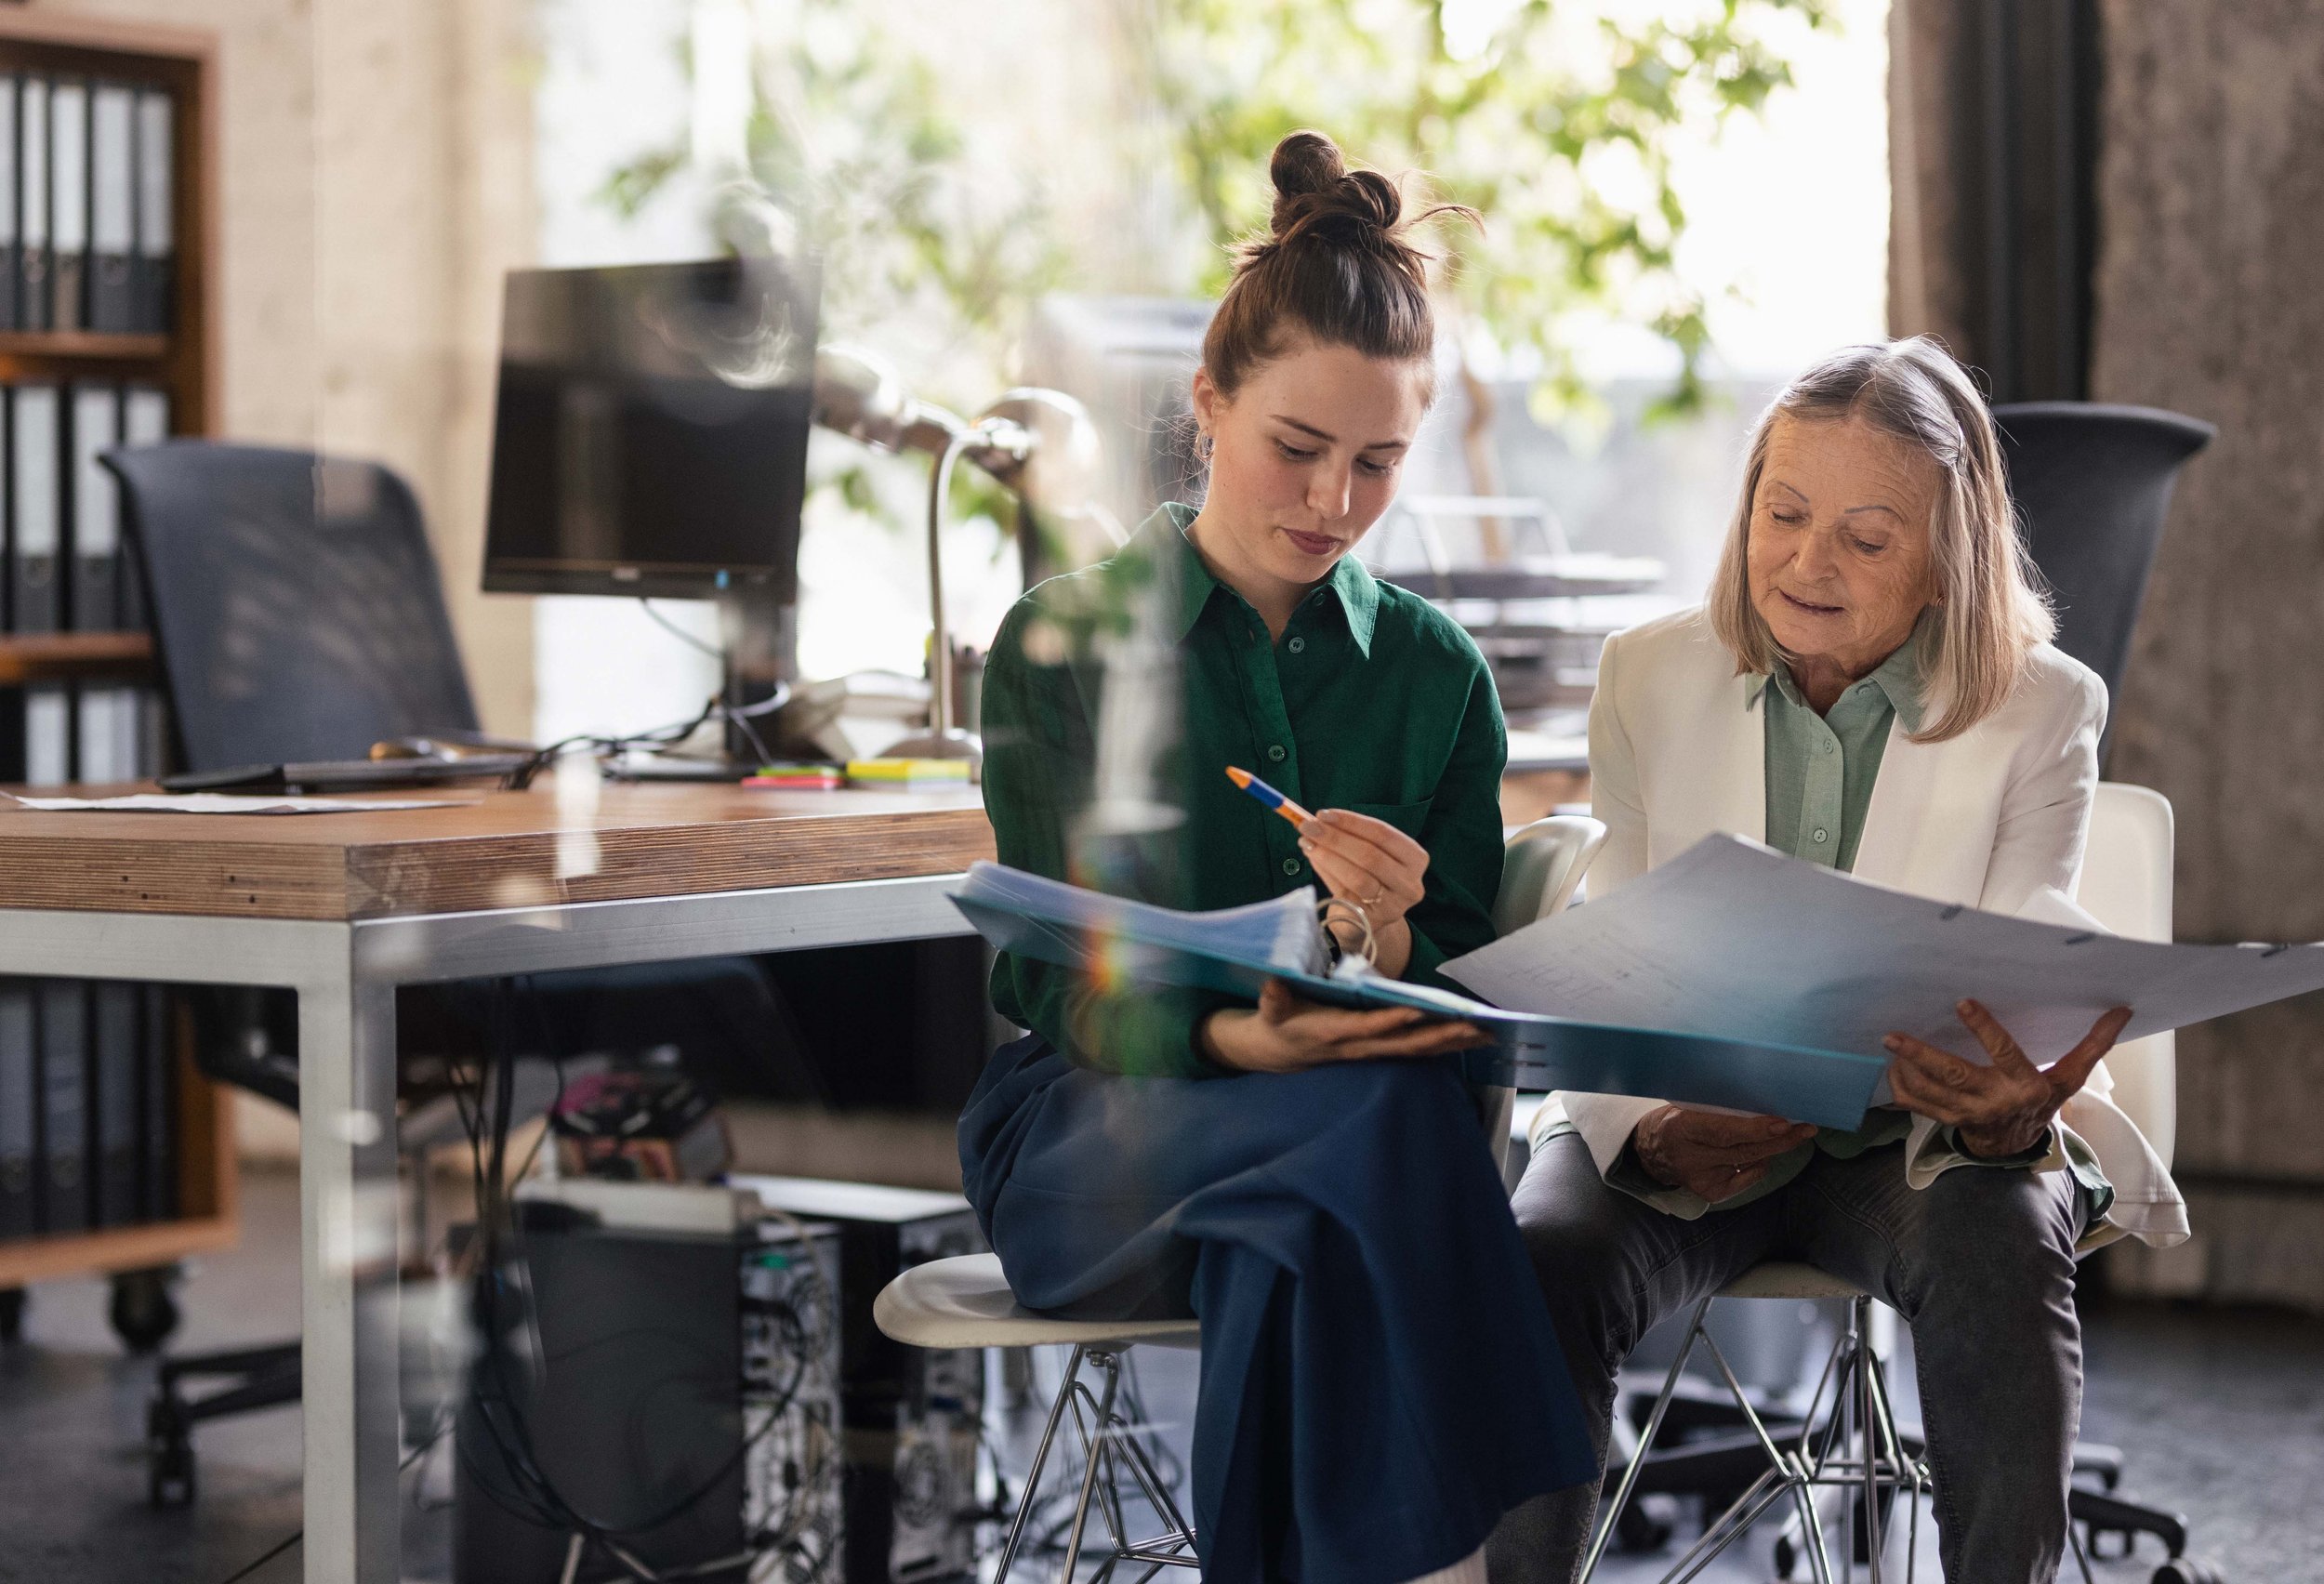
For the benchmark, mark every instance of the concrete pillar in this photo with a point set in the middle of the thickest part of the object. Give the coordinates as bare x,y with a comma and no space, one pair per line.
1928,287
2212,205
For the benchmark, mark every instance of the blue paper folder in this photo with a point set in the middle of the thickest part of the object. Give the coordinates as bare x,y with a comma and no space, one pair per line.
1236,951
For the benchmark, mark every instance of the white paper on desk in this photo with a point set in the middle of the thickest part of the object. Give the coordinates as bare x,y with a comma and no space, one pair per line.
230,803
1734,939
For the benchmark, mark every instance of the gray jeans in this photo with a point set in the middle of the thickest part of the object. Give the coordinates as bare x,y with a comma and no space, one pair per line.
1980,1264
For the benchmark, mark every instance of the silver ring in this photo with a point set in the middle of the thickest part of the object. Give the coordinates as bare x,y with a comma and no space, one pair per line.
1338,906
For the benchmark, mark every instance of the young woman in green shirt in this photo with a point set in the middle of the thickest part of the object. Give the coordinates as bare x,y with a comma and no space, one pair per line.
1379,1379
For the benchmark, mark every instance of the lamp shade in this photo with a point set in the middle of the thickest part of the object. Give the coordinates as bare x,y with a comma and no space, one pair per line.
859,394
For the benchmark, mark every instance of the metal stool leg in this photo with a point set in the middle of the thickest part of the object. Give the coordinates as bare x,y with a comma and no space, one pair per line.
1110,1449
1646,1443
1909,1471
1868,1421
1033,1475
1101,1436
1855,1448
1168,1547
1095,1442
1863,1453
1790,1467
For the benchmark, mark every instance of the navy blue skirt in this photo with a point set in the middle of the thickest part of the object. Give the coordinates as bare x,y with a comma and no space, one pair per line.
1380,1379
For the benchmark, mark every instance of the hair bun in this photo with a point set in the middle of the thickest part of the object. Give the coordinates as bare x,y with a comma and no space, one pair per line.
1338,265
1304,162
1317,195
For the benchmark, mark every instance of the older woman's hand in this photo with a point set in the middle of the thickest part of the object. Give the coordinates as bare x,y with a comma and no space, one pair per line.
2003,1109
1713,1154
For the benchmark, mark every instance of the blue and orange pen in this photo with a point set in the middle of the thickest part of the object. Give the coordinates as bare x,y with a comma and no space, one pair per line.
1269,796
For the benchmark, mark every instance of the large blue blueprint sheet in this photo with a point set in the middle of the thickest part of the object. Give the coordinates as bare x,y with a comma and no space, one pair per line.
1734,939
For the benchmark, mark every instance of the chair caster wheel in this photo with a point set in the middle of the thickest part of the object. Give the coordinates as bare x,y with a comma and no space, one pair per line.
169,1474
2187,1570
142,1312
1646,1524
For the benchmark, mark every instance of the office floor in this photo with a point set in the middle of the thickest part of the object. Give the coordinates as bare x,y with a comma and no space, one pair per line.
2222,1416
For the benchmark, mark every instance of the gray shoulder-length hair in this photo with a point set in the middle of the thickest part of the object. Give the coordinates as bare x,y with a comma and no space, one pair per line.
1991,609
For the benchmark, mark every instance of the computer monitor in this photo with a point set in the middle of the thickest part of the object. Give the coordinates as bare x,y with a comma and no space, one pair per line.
650,434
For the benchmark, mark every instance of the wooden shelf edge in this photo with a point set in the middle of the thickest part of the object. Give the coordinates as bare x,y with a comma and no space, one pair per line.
115,1248
96,345
40,656
157,39
70,646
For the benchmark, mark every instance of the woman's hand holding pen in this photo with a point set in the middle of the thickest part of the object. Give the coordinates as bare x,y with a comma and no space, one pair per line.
1375,866
1285,1032
1378,868
2003,1109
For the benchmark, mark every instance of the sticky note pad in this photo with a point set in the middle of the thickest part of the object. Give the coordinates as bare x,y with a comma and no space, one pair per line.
797,778
908,772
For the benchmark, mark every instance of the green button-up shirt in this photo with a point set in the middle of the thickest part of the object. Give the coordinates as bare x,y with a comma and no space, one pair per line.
1372,700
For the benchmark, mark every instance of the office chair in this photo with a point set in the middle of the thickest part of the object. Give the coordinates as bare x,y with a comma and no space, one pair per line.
965,1301
2093,483
2126,885
298,616
294,604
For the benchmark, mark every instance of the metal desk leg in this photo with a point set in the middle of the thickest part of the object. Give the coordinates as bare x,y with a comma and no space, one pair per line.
346,1190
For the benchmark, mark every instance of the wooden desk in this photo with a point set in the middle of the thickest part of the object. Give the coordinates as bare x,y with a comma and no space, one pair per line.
499,850
343,908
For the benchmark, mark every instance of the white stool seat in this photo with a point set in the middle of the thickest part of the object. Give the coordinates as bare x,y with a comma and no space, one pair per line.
1783,1279
965,1302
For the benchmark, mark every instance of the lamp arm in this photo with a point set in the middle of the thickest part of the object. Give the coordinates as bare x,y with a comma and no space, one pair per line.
940,637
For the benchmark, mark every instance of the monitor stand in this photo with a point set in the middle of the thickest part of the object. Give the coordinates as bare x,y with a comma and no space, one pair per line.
760,633
759,636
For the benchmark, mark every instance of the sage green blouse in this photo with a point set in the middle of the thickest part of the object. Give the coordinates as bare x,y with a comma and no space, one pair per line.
1821,768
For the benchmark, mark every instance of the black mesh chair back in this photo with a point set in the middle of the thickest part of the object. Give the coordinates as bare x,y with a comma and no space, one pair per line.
2093,483
295,608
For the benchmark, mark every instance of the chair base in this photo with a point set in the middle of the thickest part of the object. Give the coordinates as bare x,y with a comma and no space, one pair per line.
261,1377
1110,1449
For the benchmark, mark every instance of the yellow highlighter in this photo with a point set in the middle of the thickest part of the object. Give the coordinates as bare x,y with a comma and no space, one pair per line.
1269,796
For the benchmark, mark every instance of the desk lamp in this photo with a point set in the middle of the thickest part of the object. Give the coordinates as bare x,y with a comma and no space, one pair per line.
1039,442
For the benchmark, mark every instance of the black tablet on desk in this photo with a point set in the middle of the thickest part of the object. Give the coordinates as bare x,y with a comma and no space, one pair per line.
346,775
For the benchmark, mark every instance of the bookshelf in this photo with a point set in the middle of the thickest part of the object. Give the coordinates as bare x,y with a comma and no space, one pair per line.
183,363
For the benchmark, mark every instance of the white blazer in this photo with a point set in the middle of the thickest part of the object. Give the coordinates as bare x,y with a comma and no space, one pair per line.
1994,818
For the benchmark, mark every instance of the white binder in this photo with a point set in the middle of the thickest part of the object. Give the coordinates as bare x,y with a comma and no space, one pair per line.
67,204
112,207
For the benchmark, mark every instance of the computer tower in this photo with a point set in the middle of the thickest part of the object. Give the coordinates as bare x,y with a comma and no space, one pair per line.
794,1465
660,1364
913,1416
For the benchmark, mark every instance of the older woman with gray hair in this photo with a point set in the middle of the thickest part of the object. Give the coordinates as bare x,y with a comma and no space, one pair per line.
1870,685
